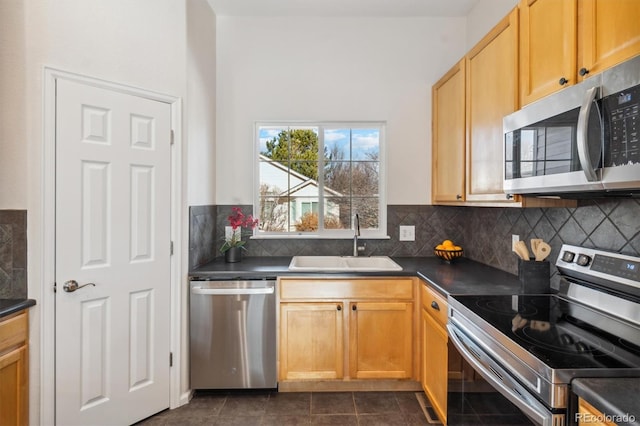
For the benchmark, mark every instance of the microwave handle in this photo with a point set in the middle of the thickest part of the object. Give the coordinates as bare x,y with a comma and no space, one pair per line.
581,134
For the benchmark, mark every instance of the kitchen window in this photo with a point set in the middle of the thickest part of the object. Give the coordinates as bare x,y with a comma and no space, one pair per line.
314,177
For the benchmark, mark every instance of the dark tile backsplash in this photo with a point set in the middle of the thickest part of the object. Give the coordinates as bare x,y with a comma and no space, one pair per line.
13,254
484,232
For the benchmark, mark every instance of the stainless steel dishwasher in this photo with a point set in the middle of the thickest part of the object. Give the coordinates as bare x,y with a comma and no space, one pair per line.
233,334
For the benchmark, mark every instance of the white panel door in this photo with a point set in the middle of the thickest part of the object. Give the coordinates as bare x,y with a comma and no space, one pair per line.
113,172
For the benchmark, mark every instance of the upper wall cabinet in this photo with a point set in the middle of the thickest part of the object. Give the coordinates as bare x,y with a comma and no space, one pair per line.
563,42
448,130
469,103
491,93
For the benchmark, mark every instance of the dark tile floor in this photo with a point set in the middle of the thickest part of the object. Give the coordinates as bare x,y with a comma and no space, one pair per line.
335,408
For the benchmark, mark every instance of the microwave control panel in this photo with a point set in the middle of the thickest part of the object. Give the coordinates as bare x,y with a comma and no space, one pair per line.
622,110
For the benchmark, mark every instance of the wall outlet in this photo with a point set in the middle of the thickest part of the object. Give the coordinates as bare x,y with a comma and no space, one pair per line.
514,239
407,233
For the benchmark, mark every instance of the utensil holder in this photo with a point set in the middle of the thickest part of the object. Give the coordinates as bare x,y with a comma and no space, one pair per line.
534,277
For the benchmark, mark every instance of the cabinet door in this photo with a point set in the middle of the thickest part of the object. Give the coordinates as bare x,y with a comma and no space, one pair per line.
547,47
311,341
434,364
380,343
448,137
491,94
14,389
609,33
589,415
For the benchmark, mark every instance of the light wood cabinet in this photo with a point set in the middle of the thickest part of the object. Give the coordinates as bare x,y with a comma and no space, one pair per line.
589,415
469,103
434,342
547,47
380,343
492,83
346,328
14,370
564,42
311,341
448,136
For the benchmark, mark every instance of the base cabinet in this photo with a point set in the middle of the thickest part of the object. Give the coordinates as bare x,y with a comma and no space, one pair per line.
14,370
589,415
311,341
381,340
435,351
346,329
434,364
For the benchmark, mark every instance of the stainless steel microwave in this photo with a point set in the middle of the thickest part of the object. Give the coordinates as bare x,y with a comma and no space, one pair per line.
583,139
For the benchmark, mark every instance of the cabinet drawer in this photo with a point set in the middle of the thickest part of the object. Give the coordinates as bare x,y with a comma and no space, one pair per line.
434,303
13,331
346,288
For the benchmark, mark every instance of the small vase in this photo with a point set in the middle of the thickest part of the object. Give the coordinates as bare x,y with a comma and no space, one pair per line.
233,255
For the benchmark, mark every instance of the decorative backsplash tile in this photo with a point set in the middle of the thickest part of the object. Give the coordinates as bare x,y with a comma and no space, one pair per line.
483,232
202,235
13,254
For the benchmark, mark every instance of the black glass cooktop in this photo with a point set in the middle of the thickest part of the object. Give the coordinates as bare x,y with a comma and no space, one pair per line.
562,334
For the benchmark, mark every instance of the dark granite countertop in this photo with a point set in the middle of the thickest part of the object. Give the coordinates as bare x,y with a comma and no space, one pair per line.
463,276
10,306
616,397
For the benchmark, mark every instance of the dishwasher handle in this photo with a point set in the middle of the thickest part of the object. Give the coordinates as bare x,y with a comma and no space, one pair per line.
231,291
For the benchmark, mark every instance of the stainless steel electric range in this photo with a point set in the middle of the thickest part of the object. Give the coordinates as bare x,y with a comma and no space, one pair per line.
530,347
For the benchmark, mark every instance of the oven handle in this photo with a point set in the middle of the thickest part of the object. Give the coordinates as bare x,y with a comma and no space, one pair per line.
496,376
581,134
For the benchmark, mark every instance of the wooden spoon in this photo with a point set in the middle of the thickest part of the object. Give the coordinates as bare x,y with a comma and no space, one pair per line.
521,250
542,251
534,245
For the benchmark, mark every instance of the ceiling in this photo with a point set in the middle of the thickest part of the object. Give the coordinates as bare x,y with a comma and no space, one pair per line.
343,8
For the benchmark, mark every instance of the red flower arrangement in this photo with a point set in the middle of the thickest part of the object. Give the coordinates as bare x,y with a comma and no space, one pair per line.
237,220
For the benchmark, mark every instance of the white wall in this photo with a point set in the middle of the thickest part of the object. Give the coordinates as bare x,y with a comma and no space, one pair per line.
13,139
140,43
332,69
484,16
201,101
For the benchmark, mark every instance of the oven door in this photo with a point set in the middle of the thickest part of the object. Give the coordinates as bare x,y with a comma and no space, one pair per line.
555,145
501,379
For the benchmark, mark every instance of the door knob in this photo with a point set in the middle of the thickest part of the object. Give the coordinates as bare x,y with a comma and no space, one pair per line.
72,285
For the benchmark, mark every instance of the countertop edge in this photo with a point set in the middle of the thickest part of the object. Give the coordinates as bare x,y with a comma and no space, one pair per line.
11,306
601,393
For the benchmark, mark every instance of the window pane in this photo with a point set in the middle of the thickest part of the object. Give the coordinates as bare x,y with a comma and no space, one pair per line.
365,144
274,214
337,213
367,209
365,178
304,173
337,178
274,178
304,214
337,144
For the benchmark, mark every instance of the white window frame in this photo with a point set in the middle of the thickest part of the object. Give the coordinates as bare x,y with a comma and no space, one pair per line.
380,233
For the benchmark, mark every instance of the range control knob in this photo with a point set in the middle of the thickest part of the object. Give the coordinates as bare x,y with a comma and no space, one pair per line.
568,256
583,260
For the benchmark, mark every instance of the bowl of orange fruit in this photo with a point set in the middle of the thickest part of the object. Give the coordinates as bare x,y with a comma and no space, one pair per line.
448,251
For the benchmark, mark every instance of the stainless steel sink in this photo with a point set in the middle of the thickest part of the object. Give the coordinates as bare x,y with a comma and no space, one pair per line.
343,263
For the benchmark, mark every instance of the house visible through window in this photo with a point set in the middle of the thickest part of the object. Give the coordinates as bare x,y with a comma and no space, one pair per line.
314,178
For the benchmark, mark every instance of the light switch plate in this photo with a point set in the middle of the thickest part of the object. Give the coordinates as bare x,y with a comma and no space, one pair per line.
407,233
